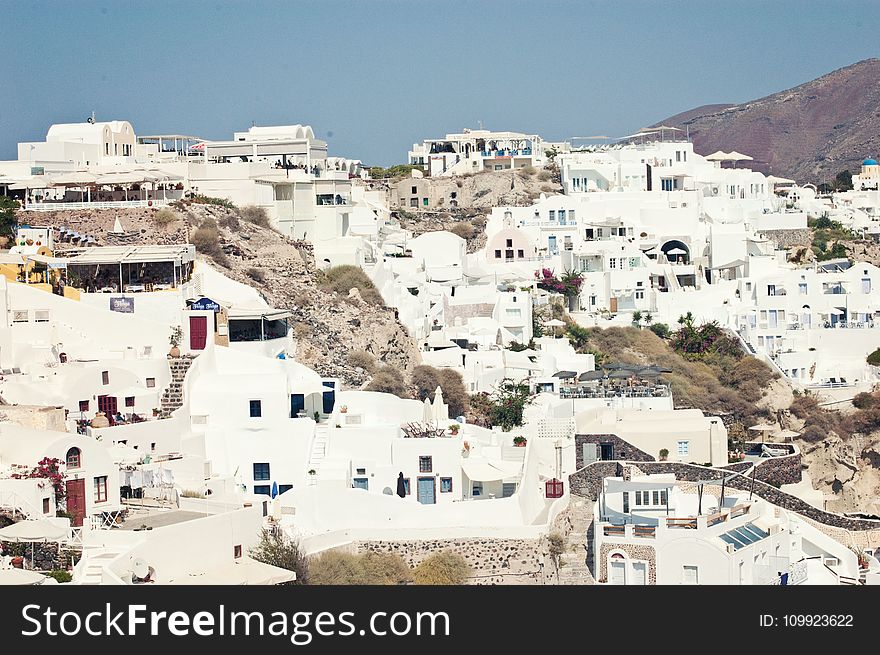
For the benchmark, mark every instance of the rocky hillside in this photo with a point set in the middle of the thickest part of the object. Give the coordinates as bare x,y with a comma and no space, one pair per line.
327,326
809,133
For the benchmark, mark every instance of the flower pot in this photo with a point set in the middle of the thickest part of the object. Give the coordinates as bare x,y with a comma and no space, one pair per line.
174,352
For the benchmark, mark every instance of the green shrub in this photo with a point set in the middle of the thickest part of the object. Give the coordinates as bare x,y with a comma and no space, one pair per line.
164,217
341,279
865,400
60,575
874,358
256,274
362,359
464,229
334,567
208,200
443,568
388,380
255,215
660,329
206,239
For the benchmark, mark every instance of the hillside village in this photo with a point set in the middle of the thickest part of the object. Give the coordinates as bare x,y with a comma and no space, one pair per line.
625,363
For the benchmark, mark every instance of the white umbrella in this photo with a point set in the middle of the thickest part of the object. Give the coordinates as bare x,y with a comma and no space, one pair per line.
34,530
763,428
554,322
738,156
718,155
676,251
20,577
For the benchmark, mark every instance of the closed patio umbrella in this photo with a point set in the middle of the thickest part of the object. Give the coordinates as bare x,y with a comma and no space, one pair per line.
401,485
274,489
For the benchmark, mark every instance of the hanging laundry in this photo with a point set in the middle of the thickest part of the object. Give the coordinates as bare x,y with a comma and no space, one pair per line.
137,479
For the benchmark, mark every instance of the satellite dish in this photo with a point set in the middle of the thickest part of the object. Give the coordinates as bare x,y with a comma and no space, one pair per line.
140,569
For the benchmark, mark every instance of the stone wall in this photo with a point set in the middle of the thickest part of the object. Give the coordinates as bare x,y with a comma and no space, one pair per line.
46,556
587,482
623,450
634,551
787,238
492,561
38,417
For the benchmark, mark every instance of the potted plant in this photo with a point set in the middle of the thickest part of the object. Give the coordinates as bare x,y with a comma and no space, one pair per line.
520,441
343,409
312,471
155,411
454,428
664,453
174,339
317,416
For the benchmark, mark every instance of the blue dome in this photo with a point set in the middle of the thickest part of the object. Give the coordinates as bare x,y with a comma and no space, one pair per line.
869,162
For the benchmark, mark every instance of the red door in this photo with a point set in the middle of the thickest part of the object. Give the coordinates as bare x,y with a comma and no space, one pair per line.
107,404
198,332
76,501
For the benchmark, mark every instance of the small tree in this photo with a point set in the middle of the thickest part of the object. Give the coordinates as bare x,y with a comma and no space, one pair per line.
648,318
388,380
443,568
8,221
176,336
50,469
277,549
637,318
509,400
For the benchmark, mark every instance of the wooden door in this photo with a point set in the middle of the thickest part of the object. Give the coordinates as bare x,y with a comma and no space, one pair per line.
107,404
198,332
76,501
426,491
617,574
613,305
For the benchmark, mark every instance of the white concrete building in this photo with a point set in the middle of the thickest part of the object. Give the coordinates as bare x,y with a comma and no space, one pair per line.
650,530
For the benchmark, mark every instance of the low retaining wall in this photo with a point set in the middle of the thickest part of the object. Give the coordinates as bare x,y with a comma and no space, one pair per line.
46,556
492,561
787,238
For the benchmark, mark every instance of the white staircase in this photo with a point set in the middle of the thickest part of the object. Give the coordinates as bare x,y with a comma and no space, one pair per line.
319,451
90,569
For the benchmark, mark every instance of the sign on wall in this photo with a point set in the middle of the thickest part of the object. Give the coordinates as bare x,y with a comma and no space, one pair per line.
122,304
205,305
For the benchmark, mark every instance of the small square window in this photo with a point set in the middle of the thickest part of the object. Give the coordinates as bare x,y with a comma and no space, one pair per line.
361,471
101,489
46,506
426,464
129,401
510,243
262,489
520,254
105,377
415,190
236,551
497,254
261,471
256,408
151,383
445,485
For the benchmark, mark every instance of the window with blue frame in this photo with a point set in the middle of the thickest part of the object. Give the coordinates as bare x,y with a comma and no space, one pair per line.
256,408
361,483
262,489
284,487
406,486
329,397
445,485
297,404
261,471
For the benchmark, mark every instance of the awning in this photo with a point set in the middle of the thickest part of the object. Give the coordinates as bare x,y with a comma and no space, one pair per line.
267,313
51,262
484,470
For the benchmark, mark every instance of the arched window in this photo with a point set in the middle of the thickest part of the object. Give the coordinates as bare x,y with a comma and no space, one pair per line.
74,458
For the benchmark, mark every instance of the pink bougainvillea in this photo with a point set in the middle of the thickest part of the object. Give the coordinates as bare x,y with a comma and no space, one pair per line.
50,469
568,285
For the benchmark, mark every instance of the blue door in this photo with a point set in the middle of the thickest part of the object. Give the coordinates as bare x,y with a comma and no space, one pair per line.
361,483
426,491
551,245
297,404
329,398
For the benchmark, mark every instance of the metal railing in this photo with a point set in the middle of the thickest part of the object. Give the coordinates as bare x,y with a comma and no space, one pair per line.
121,204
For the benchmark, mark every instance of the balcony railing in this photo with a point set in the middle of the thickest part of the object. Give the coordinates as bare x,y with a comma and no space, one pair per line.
121,204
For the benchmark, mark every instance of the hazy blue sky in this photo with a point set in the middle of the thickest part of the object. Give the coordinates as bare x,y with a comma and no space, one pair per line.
373,77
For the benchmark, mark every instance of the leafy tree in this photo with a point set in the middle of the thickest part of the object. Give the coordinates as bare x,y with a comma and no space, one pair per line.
508,401
8,221
568,285
426,380
277,549
648,318
443,568
843,181
697,340
637,318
